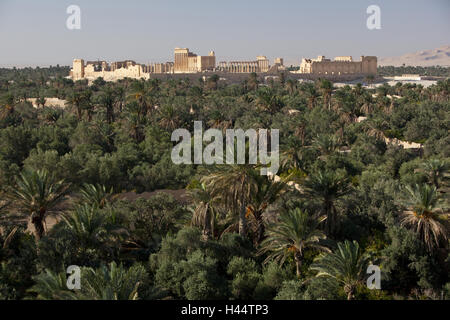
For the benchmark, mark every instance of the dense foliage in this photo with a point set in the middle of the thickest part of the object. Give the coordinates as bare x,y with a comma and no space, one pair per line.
344,197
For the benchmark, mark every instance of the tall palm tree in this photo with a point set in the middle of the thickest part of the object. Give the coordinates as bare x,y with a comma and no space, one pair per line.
236,185
327,187
424,215
326,144
347,265
107,100
311,95
205,209
36,195
326,87
75,100
268,100
436,170
119,93
294,233
169,118
88,226
142,97
267,192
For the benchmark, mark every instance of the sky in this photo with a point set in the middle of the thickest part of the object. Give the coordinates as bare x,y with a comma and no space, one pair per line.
34,32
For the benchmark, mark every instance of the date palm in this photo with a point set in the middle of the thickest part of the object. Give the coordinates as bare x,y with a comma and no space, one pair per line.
89,227
235,184
436,170
50,285
327,187
267,192
112,282
424,215
75,100
107,100
35,195
294,233
96,195
347,265
169,119
311,95
141,95
205,209
326,87
268,100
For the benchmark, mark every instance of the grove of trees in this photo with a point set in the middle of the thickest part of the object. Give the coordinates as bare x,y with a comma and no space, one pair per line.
343,199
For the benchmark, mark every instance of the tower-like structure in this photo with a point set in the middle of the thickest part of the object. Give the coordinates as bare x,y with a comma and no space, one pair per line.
78,69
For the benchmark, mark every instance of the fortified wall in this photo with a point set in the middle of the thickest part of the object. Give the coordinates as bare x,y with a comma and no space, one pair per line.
339,66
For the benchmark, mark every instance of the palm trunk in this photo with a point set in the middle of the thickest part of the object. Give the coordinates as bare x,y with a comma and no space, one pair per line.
242,221
38,223
298,263
349,292
207,232
261,229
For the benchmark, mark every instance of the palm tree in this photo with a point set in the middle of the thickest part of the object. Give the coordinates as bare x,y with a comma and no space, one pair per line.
40,101
423,215
327,144
347,265
107,100
327,187
267,192
311,95
169,118
96,195
142,97
269,101
35,196
135,121
205,209
119,93
326,87
294,233
52,286
88,226
112,282
235,184
7,105
75,100
436,170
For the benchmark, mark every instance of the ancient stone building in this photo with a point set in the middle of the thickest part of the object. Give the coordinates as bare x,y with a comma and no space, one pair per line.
117,70
339,66
260,65
188,62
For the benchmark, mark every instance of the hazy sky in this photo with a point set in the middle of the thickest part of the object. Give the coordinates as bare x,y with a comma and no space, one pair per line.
34,32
